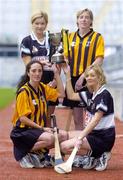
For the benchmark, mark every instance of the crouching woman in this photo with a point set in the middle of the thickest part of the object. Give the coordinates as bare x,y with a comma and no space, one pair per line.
98,136
29,133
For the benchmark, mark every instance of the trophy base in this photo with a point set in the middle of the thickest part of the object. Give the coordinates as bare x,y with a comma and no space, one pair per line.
57,58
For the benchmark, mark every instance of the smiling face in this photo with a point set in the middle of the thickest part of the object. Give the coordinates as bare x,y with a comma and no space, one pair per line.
35,73
92,80
39,25
84,20
95,77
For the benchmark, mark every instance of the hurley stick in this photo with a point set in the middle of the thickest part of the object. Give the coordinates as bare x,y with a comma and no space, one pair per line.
58,156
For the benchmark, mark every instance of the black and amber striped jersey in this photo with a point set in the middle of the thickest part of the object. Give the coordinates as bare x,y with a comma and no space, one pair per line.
33,104
84,50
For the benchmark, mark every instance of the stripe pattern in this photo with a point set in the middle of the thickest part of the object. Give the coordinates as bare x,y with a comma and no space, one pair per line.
84,50
37,107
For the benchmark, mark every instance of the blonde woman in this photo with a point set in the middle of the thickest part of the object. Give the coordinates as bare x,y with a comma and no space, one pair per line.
37,46
98,135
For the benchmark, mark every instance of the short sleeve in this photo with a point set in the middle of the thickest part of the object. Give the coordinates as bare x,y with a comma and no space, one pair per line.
22,104
85,95
51,93
25,46
105,103
100,47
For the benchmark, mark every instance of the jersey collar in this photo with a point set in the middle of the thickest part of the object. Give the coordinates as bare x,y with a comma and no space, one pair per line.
99,91
91,30
33,36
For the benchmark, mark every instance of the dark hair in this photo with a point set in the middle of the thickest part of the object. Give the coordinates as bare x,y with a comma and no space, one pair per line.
25,78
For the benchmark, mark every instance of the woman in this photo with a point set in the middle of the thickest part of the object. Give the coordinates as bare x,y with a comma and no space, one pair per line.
29,132
99,132
86,47
37,46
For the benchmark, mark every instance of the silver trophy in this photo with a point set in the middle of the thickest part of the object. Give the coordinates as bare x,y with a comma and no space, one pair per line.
56,40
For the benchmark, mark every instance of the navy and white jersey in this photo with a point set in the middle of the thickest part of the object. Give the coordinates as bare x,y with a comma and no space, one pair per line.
101,101
31,46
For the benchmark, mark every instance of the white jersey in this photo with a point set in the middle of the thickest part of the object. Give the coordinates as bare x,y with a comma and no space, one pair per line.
101,101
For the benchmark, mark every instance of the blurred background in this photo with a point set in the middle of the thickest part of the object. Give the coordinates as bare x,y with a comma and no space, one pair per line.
108,20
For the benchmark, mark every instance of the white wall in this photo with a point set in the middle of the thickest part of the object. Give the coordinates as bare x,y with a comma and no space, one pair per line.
108,17
10,71
14,19
117,93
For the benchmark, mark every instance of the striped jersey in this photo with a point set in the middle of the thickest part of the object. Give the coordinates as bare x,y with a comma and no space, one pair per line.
33,104
101,101
84,50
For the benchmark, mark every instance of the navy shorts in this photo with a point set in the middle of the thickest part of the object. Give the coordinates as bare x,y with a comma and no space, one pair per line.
23,140
101,141
46,78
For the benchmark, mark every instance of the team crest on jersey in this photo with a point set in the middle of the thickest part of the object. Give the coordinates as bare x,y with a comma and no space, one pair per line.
93,106
102,101
42,98
88,44
34,101
89,102
34,49
73,43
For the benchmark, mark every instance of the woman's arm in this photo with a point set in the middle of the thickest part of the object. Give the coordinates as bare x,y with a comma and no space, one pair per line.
60,87
79,82
70,92
26,59
99,61
26,121
53,82
32,124
92,124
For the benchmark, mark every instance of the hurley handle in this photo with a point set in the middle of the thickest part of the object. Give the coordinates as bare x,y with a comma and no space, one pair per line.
53,120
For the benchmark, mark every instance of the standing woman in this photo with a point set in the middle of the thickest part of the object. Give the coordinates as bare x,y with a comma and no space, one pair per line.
86,48
29,133
37,46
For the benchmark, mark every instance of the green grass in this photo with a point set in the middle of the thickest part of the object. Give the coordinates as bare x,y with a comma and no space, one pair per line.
7,95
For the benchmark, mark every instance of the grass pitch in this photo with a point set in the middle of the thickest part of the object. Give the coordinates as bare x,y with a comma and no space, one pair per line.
7,95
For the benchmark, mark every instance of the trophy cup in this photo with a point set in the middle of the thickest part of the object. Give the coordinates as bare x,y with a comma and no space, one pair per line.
56,41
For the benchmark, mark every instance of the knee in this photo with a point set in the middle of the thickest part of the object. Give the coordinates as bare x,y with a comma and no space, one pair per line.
64,147
49,140
63,135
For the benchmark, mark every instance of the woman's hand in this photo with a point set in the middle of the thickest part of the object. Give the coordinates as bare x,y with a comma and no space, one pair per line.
43,60
56,69
78,142
53,83
46,129
66,68
79,83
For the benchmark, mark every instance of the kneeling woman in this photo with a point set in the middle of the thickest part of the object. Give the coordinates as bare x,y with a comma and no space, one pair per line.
99,132
29,133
